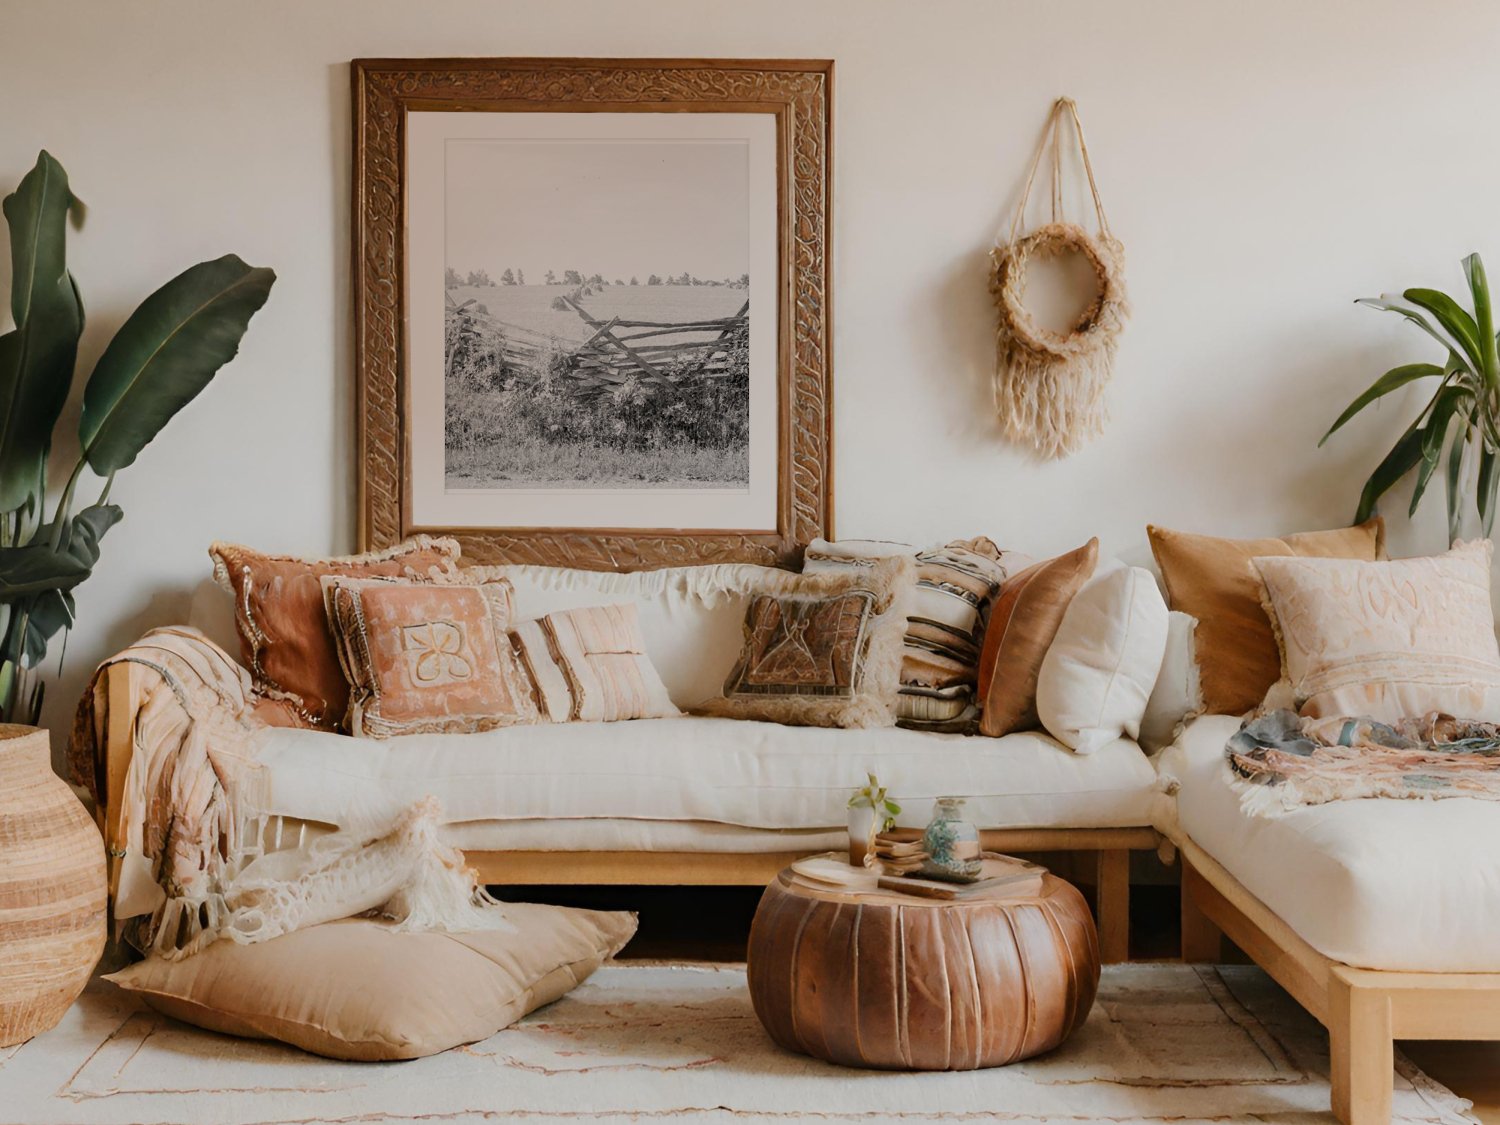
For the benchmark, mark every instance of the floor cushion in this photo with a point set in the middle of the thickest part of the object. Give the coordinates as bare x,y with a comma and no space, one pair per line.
1379,884
358,990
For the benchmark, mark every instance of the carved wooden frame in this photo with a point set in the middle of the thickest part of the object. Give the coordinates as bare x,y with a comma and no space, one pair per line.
796,91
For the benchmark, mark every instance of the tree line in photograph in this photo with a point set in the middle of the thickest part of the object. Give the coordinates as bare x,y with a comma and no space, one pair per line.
481,279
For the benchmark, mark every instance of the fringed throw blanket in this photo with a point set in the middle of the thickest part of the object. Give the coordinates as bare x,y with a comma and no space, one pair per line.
190,840
1281,761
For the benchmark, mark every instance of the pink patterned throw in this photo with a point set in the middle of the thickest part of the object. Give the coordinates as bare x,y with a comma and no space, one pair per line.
1280,761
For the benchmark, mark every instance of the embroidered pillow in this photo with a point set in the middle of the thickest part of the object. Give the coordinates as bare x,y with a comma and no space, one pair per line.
1025,619
823,649
424,657
1214,580
1387,640
590,665
284,635
956,584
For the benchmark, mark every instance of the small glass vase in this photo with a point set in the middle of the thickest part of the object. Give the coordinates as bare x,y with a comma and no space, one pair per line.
951,843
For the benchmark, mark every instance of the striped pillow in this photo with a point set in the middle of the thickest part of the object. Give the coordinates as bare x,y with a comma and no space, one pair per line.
956,583
590,665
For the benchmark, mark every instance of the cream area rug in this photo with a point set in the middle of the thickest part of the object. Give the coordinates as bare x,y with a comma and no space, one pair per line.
647,1042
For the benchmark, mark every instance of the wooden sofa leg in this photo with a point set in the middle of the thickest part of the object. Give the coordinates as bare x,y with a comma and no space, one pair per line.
1202,941
1361,1052
1112,886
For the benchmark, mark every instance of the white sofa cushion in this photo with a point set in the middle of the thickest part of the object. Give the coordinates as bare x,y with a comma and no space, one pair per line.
1378,884
731,771
1101,665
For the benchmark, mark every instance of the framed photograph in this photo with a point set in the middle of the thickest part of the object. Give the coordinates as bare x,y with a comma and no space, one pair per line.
592,307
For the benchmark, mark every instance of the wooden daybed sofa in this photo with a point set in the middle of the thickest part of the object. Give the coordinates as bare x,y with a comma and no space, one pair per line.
672,801
1379,916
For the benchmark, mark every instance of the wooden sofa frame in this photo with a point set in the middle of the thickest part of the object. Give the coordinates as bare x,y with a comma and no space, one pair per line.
1111,846
1364,1010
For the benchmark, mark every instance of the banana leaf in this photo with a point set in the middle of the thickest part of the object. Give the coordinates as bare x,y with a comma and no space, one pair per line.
37,356
164,354
35,568
1394,379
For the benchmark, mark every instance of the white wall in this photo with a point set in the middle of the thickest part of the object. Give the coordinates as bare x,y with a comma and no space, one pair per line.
1264,164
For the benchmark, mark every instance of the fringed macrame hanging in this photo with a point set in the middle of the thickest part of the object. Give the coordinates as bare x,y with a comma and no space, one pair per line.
1049,386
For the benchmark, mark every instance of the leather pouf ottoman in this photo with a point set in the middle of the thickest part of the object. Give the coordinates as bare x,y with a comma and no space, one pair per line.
889,980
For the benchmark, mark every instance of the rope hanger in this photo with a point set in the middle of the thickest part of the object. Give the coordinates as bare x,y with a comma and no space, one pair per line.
1049,386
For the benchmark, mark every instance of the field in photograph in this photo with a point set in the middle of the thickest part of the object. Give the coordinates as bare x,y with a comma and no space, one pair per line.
530,306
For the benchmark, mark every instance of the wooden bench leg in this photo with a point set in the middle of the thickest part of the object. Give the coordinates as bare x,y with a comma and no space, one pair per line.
1112,886
1361,1052
1202,941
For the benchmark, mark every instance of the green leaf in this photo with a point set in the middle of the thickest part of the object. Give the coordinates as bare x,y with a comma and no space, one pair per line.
1455,475
1397,304
1445,404
166,353
37,356
1454,319
85,530
1484,316
35,568
1402,458
1394,379
1488,480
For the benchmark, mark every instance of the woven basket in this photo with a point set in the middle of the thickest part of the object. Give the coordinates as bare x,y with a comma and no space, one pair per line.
52,889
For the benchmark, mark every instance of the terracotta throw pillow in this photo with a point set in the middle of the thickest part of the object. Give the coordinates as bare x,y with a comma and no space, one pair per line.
590,665
285,640
823,649
427,657
357,990
1215,581
1388,640
1026,617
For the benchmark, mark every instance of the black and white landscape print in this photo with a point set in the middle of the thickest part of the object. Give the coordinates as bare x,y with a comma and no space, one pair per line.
596,321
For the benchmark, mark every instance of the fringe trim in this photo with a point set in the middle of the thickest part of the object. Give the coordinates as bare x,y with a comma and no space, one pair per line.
1049,387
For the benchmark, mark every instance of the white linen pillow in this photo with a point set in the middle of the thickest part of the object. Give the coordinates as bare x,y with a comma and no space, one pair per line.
1388,640
1100,669
1178,694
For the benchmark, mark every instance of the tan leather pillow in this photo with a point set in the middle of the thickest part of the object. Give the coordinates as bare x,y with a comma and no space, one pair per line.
285,640
357,990
427,657
1023,623
1214,580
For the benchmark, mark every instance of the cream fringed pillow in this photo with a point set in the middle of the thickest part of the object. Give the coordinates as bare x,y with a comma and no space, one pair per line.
823,650
590,665
1388,640
356,990
427,657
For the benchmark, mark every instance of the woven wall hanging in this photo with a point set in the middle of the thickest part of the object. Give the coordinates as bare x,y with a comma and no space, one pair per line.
1049,386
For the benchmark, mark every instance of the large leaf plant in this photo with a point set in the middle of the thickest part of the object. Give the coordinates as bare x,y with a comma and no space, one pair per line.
164,354
1457,428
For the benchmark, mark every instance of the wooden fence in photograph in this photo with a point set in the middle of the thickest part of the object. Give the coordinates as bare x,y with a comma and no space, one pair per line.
656,353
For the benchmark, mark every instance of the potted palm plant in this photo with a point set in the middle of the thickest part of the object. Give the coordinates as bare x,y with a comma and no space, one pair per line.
1457,426
163,355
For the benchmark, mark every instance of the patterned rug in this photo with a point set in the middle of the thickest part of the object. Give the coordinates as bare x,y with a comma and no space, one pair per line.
642,1042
